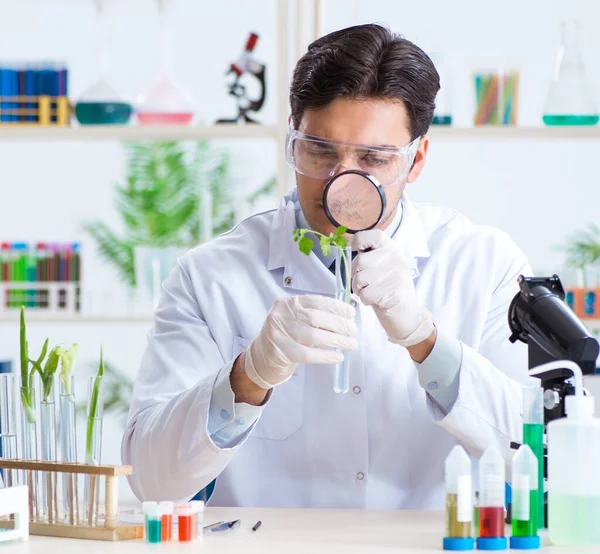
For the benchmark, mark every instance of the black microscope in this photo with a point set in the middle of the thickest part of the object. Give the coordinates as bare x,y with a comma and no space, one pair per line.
539,316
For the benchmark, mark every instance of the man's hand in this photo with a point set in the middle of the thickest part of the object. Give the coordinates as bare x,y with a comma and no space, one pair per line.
303,329
381,278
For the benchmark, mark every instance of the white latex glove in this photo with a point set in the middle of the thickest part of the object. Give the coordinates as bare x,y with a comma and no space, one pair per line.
382,278
300,330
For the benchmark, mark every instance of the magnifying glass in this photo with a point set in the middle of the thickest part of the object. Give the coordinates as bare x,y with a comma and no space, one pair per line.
355,200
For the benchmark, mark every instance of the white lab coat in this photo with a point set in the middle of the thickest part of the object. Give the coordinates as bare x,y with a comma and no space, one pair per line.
382,445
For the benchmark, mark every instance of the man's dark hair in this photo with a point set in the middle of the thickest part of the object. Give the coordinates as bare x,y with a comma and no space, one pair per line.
366,61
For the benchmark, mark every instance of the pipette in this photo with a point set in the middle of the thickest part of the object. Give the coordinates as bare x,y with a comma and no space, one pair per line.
524,500
459,501
491,501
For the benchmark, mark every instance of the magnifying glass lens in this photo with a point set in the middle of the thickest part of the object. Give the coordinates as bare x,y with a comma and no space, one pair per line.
354,200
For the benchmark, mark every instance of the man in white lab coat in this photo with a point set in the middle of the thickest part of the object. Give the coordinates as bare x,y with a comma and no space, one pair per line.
236,383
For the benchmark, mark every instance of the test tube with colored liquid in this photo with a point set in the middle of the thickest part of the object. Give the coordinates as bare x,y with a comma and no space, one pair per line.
524,500
166,518
491,501
184,522
198,519
152,517
533,436
459,501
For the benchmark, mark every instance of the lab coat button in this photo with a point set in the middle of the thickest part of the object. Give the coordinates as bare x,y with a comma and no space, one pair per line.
288,281
360,475
240,421
224,414
413,272
432,385
354,303
356,389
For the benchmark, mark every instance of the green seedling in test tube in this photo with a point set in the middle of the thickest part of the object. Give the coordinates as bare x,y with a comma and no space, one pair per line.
27,396
524,499
67,358
93,413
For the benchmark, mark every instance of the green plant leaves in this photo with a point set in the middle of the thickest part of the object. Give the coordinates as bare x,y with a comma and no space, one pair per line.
584,247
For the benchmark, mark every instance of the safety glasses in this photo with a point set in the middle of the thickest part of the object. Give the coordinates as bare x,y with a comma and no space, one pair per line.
321,158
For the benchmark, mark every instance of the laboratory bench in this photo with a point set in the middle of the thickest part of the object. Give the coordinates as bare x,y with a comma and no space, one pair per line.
290,531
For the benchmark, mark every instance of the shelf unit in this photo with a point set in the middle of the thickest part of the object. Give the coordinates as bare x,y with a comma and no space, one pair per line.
33,317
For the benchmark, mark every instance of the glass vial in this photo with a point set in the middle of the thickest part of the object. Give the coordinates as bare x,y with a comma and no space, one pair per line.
49,507
459,501
570,99
524,499
343,257
533,436
491,501
442,114
8,431
68,449
28,442
166,518
93,448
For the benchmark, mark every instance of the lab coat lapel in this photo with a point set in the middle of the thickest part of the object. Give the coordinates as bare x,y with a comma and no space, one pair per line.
411,236
300,272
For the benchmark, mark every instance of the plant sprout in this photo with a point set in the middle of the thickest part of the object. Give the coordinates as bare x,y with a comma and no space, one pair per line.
47,372
26,374
93,410
337,239
67,358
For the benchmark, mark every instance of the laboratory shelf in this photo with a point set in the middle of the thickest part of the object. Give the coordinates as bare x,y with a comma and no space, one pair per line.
109,319
494,132
138,132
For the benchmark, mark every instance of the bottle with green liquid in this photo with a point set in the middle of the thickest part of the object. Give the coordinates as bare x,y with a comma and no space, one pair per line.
533,436
570,99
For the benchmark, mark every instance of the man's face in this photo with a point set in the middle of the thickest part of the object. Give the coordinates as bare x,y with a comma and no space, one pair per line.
370,122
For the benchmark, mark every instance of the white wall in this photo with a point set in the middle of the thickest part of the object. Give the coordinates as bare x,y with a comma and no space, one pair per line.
538,191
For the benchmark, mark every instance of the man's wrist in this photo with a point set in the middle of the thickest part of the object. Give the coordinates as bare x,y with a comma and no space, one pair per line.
419,352
245,390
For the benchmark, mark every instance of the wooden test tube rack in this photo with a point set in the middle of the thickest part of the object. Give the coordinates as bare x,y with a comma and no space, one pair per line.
108,528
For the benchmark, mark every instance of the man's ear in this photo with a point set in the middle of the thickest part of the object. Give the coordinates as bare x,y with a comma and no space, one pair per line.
420,158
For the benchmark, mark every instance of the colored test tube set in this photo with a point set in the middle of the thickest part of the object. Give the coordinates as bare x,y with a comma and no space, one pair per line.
40,275
496,98
34,93
159,521
483,525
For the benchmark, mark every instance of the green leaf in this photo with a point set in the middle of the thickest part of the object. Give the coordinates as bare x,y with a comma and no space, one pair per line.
92,413
67,358
325,243
340,242
305,245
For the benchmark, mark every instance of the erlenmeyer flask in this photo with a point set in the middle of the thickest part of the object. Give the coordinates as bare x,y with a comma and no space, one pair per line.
570,99
100,104
165,102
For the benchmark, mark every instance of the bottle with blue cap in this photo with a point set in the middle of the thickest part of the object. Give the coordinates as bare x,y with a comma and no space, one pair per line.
459,501
491,501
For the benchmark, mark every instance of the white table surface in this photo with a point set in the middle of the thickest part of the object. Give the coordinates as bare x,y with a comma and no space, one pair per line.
290,532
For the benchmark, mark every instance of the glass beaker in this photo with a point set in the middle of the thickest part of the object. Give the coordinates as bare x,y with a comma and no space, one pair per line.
496,97
442,114
570,99
166,102
100,104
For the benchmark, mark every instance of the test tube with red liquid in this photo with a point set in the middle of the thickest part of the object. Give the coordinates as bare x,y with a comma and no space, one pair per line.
491,501
185,522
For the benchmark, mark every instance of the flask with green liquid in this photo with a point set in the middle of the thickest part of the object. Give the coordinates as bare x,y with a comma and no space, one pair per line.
570,99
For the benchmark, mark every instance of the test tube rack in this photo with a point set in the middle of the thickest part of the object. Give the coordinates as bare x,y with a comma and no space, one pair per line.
40,110
103,528
47,297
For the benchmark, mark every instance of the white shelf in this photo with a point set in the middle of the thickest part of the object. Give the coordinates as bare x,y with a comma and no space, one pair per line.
33,317
494,132
139,132
251,131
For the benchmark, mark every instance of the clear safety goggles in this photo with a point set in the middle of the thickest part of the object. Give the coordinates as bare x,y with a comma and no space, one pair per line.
321,158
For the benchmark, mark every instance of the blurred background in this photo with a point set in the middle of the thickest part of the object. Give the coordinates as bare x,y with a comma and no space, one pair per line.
133,130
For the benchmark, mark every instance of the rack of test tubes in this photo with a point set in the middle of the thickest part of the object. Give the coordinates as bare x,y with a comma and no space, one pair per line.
42,276
160,523
48,516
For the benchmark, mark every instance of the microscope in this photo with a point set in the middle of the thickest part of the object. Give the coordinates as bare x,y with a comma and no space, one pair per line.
246,64
539,316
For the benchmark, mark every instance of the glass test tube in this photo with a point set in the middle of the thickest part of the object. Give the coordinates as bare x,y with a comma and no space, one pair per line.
198,519
491,501
166,511
524,499
533,436
93,448
153,522
29,446
343,257
49,506
8,431
68,450
459,501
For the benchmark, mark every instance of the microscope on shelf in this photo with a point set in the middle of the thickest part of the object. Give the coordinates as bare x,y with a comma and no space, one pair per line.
539,316
246,64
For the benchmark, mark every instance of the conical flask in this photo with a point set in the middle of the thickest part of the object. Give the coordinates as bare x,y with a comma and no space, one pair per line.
571,99
166,102
100,104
